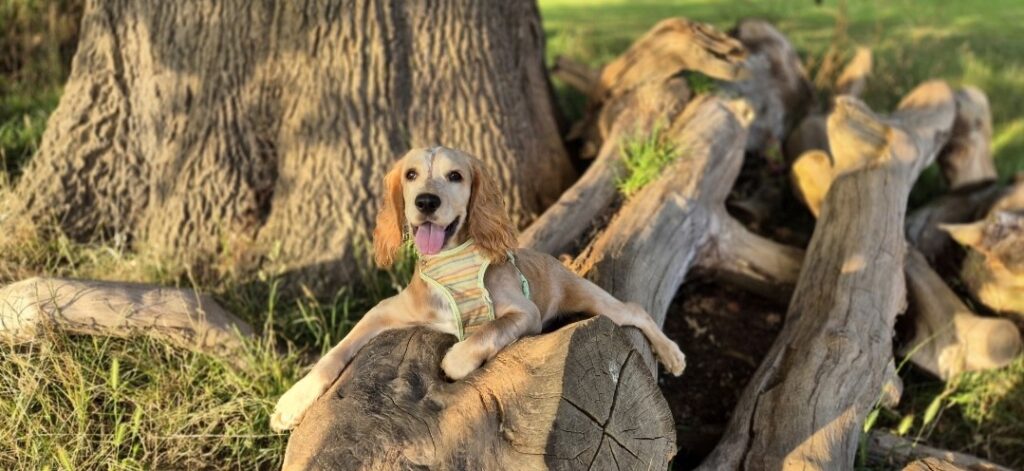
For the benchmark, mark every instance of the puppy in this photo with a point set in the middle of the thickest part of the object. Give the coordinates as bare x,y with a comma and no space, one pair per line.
471,280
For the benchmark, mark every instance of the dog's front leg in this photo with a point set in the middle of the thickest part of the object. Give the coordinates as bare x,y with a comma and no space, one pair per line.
294,403
513,320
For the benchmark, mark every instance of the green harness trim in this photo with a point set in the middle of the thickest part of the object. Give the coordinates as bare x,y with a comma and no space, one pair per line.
458,275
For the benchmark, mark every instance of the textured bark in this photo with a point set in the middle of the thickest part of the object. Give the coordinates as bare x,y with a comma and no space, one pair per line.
805,405
239,129
182,317
576,398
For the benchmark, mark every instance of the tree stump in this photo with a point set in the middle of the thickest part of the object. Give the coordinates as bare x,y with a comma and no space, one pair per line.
579,397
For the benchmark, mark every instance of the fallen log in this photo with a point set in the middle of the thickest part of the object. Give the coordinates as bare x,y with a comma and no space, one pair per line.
886,449
948,337
180,316
993,269
579,397
805,404
967,158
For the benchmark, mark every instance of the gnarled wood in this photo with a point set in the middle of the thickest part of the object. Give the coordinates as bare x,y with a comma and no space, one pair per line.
805,404
182,128
967,157
181,316
994,267
948,337
579,397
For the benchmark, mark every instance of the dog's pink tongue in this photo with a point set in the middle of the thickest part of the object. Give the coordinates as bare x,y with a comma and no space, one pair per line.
429,238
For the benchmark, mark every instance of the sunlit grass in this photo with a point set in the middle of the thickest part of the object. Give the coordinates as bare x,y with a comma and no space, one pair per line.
644,158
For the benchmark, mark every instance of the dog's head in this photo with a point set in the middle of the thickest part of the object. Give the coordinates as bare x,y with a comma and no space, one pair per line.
441,197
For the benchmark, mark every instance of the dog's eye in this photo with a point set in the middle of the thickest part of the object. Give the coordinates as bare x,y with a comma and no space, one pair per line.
410,175
454,177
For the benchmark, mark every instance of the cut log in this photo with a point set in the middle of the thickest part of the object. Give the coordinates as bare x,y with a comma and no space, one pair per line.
993,270
579,397
886,449
778,89
811,134
180,316
960,206
576,210
806,403
967,158
949,338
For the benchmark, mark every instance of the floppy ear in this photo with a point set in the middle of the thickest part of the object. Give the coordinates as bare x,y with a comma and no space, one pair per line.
387,236
488,221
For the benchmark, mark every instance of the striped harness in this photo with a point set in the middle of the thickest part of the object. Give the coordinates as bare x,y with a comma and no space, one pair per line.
458,275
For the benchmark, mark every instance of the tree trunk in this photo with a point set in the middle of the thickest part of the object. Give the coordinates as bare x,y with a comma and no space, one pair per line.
251,130
576,398
805,405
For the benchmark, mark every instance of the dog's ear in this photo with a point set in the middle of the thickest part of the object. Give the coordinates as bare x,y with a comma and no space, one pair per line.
488,221
387,236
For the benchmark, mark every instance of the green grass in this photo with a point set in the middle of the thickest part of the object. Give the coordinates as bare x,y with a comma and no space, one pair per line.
90,403
961,42
644,158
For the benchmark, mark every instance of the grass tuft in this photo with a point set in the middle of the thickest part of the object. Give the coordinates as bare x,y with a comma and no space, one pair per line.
644,158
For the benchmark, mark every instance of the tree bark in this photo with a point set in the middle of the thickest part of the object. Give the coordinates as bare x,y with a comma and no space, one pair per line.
575,398
805,404
252,130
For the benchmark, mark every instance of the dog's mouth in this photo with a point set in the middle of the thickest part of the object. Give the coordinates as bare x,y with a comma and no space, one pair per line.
430,237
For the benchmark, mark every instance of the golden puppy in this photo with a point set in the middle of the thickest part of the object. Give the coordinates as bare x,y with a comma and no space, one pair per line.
471,280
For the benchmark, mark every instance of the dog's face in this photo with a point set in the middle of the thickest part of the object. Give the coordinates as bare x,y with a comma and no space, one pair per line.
440,197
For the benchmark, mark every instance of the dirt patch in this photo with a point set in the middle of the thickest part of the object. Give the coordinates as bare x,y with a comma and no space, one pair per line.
725,332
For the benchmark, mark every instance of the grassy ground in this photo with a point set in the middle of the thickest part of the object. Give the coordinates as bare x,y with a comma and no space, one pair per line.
85,403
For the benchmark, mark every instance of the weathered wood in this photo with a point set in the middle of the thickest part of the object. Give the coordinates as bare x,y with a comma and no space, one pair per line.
932,464
967,157
777,88
576,210
805,404
993,269
181,316
645,252
579,397
811,134
949,338
886,449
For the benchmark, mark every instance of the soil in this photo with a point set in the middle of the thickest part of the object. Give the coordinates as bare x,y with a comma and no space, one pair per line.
725,332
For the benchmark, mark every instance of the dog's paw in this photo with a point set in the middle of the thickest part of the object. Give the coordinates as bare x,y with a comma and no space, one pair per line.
672,358
461,360
293,404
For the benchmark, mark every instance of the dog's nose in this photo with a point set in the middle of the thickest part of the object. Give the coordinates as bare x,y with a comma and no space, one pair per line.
427,203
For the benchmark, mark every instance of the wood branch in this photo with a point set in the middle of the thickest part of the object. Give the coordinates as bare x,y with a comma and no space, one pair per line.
960,206
115,309
577,75
993,269
853,79
886,449
645,252
967,158
778,88
806,403
565,221
577,397
948,337
811,134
